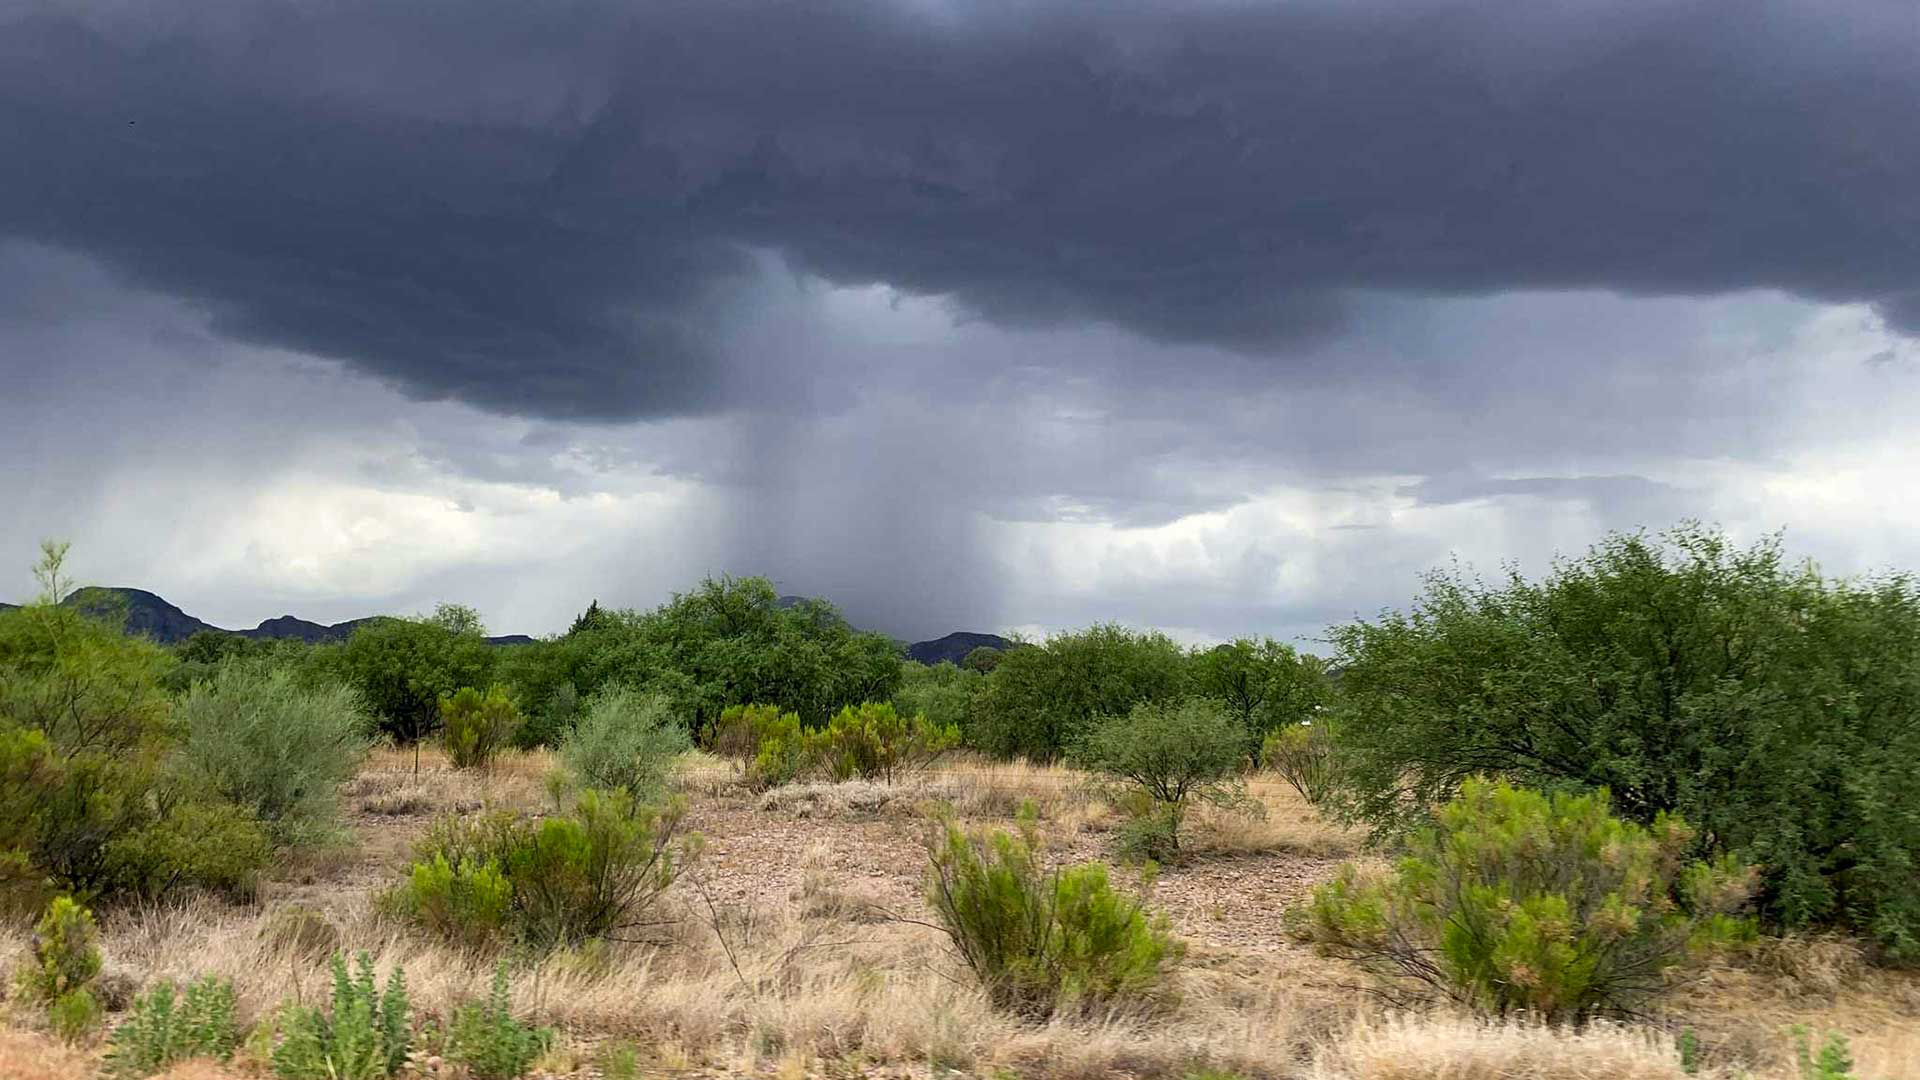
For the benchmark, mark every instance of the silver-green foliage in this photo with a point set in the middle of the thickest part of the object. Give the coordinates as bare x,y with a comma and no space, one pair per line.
166,1027
262,740
626,739
365,1033
1174,753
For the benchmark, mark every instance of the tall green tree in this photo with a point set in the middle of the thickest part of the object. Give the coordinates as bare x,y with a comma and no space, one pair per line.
1265,686
1776,709
403,667
1039,699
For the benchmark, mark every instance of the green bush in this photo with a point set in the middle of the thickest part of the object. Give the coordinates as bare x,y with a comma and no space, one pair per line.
476,725
740,730
1173,753
1043,943
1263,685
401,668
1516,901
940,692
1039,699
211,845
365,1032
594,873
263,741
65,955
488,1041
1303,755
163,1028
873,742
626,739
73,1015
1775,709
785,751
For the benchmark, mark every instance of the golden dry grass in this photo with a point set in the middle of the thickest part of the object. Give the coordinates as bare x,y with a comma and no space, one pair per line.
816,980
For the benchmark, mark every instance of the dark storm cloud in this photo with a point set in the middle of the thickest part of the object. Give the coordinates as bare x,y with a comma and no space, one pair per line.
544,208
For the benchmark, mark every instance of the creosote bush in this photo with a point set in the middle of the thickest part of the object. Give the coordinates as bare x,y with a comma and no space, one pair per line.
1515,901
166,1026
477,725
1044,942
266,742
1172,753
364,1033
594,873
874,742
1303,756
626,739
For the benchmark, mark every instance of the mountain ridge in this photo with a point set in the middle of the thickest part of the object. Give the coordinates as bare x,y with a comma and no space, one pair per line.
151,615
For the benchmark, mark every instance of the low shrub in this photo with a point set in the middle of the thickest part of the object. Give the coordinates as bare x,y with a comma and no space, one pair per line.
1173,753
626,739
366,1031
65,953
73,1015
265,742
875,742
1833,1061
785,752
737,733
486,1039
1044,942
1515,902
212,845
165,1028
477,725
1303,756
594,873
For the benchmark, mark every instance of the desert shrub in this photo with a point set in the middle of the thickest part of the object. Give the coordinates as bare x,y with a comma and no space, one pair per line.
627,739
263,741
1045,942
739,731
211,845
785,752
73,1015
65,953
1173,753
164,1028
1151,835
1773,708
594,873
486,1039
476,725
1039,699
365,1032
1515,901
1303,755
465,903
874,742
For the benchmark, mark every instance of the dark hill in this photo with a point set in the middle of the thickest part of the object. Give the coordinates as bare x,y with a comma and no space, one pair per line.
954,647
150,616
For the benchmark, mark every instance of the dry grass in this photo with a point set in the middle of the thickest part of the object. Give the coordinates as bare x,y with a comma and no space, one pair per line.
817,978
1404,1048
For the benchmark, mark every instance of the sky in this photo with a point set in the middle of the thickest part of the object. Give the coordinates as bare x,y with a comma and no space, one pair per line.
1218,316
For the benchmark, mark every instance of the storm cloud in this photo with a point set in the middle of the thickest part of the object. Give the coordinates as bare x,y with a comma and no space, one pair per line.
550,210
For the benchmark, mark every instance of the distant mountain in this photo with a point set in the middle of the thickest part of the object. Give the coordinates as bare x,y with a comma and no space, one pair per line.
954,647
152,617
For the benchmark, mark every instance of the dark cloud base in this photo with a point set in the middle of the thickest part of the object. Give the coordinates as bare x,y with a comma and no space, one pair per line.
545,209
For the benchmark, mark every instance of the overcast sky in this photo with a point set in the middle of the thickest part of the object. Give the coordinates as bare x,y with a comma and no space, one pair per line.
1222,317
